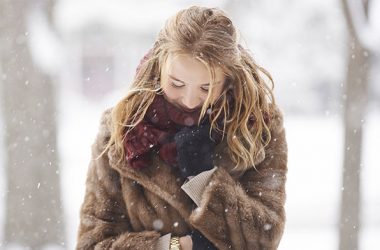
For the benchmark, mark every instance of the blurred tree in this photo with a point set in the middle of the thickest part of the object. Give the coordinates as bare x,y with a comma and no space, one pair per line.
33,206
355,98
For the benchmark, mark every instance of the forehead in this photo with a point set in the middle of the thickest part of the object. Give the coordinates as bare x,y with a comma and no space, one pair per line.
190,69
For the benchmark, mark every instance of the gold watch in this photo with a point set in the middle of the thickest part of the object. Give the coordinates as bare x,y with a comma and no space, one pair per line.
174,243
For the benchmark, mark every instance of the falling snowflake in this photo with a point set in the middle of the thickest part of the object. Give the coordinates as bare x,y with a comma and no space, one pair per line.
197,210
267,227
189,121
158,224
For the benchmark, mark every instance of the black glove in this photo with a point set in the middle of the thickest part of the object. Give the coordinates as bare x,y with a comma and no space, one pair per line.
200,242
194,149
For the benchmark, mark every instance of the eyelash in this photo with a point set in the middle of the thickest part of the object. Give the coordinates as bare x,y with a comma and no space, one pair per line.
173,84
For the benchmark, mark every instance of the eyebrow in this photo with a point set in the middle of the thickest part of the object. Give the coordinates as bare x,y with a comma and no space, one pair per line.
175,78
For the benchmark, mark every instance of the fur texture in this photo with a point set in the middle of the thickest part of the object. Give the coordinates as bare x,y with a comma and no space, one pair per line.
126,208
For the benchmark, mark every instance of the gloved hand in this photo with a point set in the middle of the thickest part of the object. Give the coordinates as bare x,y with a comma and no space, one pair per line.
200,242
194,149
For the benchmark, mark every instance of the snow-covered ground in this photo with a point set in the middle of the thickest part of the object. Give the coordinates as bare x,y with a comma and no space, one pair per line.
314,178
314,182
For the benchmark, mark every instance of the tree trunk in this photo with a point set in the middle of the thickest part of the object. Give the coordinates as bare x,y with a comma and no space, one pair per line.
33,206
356,97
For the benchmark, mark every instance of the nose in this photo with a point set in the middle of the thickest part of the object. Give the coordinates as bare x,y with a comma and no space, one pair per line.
190,101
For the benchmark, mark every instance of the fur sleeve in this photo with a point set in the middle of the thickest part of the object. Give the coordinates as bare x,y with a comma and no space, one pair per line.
104,220
247,213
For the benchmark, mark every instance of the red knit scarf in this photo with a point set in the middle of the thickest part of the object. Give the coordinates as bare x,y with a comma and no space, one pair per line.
156,132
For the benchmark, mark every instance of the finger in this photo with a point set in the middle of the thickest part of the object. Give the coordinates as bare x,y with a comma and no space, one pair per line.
190,239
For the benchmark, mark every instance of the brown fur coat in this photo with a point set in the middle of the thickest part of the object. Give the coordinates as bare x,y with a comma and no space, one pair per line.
126,208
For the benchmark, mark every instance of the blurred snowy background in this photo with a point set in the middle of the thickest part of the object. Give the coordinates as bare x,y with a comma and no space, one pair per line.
63,62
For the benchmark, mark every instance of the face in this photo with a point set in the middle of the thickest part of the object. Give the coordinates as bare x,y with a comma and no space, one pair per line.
186,81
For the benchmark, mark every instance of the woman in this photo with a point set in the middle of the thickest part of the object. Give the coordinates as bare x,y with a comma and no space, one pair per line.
195,156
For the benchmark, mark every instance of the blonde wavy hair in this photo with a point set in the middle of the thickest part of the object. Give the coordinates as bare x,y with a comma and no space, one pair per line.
208,35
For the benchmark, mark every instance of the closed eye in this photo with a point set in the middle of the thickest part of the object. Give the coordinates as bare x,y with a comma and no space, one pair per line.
205,87
177,85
